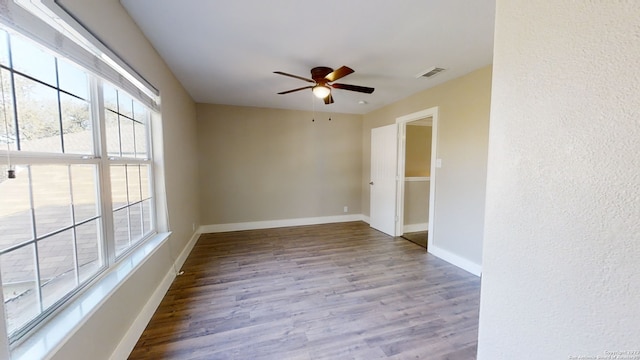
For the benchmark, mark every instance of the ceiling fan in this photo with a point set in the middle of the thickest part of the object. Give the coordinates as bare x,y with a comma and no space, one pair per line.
323,78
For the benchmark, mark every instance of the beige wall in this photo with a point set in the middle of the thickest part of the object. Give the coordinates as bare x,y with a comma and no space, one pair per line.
462,145
417,164
418,150
416,202
562,238
99,336
260,164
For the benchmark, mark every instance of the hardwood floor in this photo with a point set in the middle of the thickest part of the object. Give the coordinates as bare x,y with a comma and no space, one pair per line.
337,291
419,238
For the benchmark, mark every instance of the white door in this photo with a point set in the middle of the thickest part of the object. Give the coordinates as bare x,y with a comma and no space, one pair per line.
384,163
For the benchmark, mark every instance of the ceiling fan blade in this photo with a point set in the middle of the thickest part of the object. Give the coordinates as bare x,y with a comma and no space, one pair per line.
328,100
339,73
362,89
294,90
294,76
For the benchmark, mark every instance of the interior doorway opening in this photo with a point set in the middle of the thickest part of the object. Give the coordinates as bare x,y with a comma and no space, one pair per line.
417,162
416,177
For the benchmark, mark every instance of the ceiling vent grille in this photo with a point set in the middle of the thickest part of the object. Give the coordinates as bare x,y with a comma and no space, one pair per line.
431,72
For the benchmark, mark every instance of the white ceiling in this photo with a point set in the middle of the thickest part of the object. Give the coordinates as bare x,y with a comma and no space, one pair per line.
225,51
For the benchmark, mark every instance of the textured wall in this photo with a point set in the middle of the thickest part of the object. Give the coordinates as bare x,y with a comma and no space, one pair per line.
260,164
562,235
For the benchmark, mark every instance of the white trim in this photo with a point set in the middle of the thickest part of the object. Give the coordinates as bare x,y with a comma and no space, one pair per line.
59,19
187,250
269,224
129,340
454,259
416,227
402,131
417,178
422,122
418,115
432,177
366,219
4,338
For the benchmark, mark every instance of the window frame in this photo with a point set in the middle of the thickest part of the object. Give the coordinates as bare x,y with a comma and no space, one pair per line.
102,162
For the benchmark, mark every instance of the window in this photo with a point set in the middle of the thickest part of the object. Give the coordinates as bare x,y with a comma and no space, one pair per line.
82,195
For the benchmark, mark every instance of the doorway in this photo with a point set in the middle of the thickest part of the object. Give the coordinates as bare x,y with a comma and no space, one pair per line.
417,162
387,186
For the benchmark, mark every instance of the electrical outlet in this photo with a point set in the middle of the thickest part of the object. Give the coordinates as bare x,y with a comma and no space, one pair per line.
193,226
346,209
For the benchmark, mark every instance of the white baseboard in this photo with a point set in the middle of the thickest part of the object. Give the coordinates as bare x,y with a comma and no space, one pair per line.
366,219
456,260
128,342
416,227
187,249
269,224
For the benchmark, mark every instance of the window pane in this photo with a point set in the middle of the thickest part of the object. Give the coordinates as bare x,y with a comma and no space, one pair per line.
112,130
146,216
125,104
51,197
4,48
76,123
88,241
73,80
7,121
28,58
118,186
38,118
19,287
15,208
144,181
110,97
121,230
126,137
135,222
133,182
141,140
85,190
140,112
57,267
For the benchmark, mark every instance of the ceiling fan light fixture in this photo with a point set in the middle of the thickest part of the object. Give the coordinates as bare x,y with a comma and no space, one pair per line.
321,91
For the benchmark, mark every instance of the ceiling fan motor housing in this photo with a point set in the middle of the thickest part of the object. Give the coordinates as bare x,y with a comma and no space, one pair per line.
318,73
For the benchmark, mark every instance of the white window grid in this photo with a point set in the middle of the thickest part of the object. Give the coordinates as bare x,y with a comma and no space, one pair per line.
102,163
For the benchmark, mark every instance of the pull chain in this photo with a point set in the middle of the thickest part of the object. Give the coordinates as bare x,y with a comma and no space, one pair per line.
313,106
11,173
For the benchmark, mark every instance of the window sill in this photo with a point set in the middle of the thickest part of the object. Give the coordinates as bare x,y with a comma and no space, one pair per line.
44,341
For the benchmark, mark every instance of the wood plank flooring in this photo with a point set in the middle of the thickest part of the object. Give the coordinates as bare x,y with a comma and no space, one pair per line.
336,291
419,238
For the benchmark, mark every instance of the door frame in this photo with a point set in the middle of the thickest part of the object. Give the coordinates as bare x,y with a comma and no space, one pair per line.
402,134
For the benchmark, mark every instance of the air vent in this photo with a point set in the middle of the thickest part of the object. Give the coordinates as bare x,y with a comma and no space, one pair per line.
431,72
